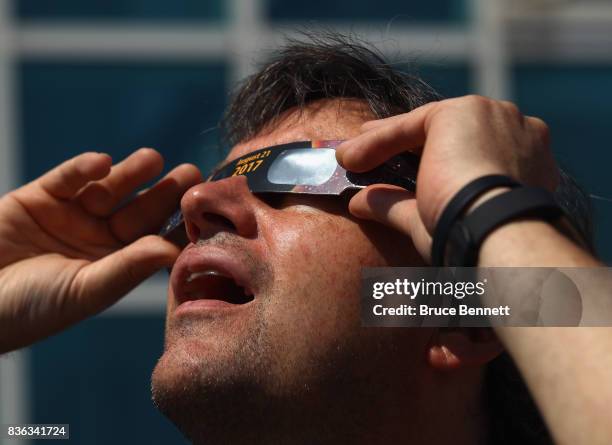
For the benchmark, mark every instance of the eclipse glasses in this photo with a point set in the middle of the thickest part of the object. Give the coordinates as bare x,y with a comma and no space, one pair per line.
307,167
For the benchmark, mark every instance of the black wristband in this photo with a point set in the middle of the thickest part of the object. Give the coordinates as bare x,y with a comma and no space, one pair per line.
468,234
457,206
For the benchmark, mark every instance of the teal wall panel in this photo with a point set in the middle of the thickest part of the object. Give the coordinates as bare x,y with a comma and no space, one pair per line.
96,377
449,79
395,11
576,102
117,10
69,108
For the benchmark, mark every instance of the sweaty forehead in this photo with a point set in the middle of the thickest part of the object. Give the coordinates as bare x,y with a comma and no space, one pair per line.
328,119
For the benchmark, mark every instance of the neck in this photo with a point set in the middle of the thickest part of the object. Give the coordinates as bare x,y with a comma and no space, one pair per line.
440,411
445,411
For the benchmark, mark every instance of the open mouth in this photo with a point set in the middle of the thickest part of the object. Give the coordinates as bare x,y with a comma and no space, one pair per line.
213,284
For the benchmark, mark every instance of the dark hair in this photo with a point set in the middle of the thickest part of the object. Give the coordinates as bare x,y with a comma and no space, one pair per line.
327,66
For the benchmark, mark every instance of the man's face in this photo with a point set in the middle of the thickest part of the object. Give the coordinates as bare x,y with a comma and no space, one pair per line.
236,365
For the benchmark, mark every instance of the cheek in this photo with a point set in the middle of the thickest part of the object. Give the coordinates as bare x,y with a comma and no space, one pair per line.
317,267
323,253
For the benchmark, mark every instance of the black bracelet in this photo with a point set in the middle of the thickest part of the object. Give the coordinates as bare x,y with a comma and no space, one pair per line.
468,234
457,206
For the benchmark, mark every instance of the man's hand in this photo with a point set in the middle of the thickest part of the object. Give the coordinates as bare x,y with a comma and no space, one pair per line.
464,139
72,242
459,140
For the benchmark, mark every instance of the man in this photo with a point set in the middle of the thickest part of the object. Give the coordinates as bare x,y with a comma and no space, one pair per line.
263,341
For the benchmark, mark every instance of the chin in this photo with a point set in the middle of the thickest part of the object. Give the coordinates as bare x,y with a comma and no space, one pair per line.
248,389
210,385
210,401
188,362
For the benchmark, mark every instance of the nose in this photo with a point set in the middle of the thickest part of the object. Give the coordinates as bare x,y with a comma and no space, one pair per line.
219,206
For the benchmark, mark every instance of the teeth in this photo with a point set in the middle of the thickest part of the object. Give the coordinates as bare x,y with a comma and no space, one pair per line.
213,272
196,275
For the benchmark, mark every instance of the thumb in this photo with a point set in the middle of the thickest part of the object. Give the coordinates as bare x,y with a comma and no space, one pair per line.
396,208
102,283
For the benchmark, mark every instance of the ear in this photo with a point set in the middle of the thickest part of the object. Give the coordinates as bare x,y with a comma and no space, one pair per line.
452,348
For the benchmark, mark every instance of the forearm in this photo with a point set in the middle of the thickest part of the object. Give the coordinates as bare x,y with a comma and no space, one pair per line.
532,243
567,369
568,373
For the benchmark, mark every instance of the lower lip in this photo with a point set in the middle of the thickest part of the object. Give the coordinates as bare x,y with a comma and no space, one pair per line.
207,305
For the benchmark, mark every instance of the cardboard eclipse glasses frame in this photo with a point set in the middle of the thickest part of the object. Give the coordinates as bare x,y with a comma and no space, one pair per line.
306,167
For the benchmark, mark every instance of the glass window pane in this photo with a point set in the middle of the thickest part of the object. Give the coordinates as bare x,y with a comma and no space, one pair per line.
69,108
449,79
96,377
576,102
93,10
443,11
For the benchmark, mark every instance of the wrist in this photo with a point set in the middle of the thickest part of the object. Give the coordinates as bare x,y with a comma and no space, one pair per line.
525,232
489,213
529,242
448,224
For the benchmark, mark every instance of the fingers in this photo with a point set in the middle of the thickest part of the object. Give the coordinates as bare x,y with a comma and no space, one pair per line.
102,283
65,180
149,210
384,139
394,207
380,122
102,197
540,129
